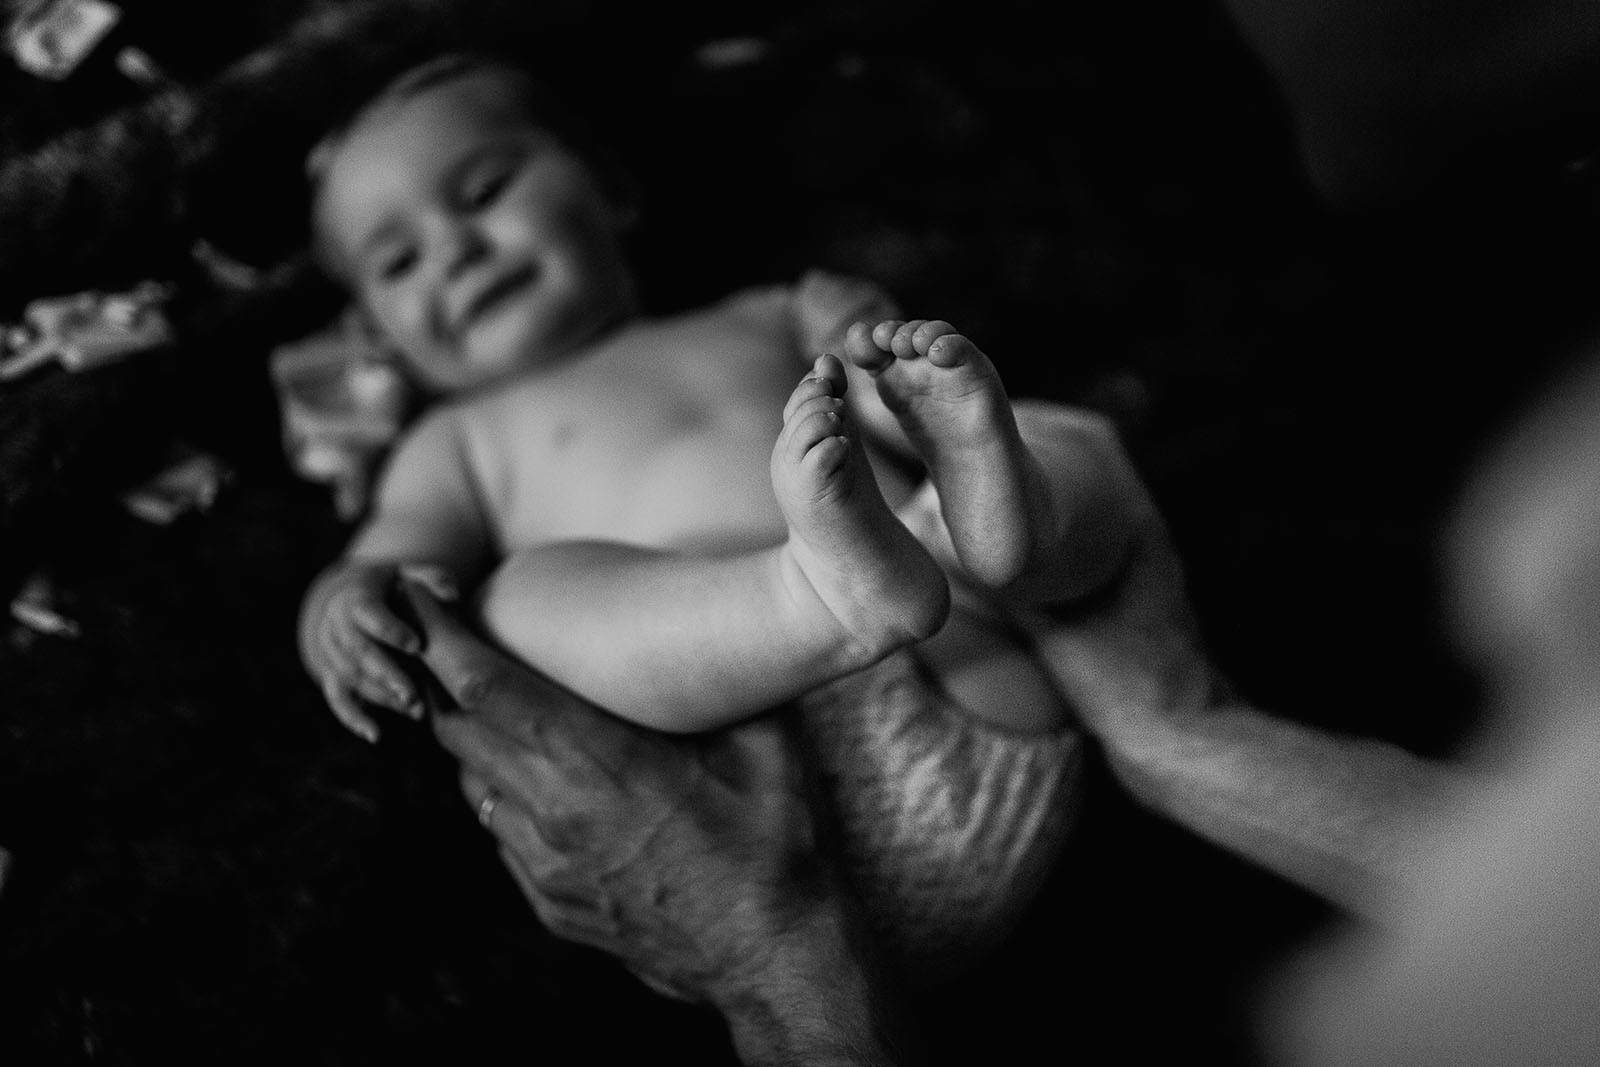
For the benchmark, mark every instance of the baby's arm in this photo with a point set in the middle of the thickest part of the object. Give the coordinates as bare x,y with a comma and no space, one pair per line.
427,523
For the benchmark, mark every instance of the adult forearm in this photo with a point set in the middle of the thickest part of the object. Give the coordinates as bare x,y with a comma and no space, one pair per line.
1340,816
825,1002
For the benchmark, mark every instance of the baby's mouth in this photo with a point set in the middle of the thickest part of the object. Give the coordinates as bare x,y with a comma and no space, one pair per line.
490,297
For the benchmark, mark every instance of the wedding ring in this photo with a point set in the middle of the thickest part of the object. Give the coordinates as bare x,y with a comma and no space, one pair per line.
486,808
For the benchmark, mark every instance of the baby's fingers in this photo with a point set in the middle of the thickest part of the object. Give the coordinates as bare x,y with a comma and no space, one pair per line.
373,673
348,710
436,580
374,619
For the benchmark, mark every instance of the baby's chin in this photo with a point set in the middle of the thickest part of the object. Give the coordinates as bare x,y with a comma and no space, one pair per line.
505,346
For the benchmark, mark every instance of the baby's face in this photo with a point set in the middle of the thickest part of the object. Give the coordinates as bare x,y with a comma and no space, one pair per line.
480,244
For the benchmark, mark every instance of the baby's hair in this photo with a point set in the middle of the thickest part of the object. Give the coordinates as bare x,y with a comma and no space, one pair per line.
440,70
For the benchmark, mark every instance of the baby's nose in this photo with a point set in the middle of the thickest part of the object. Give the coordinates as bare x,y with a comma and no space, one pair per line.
464,245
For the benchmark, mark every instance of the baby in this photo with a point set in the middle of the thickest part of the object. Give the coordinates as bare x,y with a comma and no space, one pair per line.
607,484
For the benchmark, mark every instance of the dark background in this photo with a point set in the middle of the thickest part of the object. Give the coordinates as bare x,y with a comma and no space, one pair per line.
1108,199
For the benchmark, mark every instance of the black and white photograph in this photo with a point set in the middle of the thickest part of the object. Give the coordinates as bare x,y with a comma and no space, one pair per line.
843,534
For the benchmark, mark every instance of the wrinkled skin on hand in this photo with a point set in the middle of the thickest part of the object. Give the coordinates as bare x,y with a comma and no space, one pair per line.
687,857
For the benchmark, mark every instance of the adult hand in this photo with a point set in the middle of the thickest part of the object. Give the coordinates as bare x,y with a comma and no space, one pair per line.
1130,659
693,859
1338,815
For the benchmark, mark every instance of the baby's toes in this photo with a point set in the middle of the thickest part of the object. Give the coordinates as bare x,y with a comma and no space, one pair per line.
808,390
884,333
823,460
813,386
903,343
812,449
862,349
931,339
812,423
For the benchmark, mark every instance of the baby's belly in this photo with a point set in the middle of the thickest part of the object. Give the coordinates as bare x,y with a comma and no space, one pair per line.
706,491
704,495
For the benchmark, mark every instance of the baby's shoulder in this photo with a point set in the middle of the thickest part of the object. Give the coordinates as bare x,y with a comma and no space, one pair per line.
757,302
430,435
456,431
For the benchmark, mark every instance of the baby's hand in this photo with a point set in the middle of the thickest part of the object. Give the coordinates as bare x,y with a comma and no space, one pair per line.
350,635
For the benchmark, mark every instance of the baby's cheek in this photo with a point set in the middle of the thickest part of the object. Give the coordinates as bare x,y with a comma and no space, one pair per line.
402,321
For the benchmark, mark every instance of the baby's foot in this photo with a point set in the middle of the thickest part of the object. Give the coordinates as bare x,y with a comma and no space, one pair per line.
826,304
950,401
865,568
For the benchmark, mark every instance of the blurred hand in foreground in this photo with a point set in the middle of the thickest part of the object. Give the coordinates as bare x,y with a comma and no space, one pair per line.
695,860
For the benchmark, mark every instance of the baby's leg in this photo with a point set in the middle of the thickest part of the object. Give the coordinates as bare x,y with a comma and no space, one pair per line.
686,642
950,401
1028,499
850,552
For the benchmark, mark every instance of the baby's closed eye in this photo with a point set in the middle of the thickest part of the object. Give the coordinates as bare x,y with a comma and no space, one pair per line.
393,264
487,177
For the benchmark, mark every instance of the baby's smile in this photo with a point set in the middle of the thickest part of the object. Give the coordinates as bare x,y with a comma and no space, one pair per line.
488,298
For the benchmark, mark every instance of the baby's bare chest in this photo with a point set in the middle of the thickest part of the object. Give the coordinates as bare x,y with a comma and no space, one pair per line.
668,450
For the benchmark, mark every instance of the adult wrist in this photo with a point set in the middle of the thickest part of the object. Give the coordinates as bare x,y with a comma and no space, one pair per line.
820,998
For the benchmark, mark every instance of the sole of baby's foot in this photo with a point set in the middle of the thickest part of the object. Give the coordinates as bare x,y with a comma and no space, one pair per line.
951,403
852,560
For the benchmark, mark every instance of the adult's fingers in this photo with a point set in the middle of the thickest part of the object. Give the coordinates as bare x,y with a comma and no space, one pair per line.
583,920
512,825
474,675
586,742
559,863
493,759
569,918
561,785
